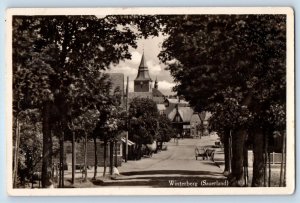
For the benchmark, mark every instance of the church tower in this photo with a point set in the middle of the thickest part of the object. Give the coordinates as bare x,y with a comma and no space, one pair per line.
142,82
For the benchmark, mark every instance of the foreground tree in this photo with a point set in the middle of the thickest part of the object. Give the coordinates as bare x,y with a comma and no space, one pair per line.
236,58
143,123
166,130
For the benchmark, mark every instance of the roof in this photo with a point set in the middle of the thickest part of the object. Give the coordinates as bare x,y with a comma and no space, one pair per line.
180,102
143,72
184,112
161,107
140,94
157,93
130,143
195,118
142,64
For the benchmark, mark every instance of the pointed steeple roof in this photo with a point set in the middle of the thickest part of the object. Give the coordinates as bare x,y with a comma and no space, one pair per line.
142,64
155,83
143,72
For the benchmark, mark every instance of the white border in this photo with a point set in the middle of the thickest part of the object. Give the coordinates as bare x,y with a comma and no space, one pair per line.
290,174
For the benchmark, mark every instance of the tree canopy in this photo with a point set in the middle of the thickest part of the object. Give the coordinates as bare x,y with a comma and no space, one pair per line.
143,115
58,63
228,59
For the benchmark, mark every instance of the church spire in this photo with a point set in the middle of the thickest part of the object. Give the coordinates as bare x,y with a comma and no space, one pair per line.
156,83
143,72
142,64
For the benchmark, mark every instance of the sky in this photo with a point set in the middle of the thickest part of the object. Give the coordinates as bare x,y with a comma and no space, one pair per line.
151,48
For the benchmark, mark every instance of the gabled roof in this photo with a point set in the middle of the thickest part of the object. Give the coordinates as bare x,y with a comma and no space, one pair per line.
129,142
157,93
184,112
179,102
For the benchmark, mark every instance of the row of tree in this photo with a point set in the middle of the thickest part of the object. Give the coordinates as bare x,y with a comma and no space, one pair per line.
58,64
235,67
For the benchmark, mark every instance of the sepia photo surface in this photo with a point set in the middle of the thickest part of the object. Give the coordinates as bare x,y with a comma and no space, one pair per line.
150,101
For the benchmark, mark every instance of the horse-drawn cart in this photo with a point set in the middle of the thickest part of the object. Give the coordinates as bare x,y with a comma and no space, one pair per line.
200,152
205,153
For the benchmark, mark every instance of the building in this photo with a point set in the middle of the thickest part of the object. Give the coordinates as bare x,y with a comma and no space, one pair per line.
142,82
117,85
161,109
194,123
158,96
143,85
186,121
183,117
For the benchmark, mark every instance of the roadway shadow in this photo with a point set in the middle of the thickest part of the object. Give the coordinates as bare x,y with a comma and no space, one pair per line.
177,172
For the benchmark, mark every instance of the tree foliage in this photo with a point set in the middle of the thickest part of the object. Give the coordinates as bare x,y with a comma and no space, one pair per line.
228,60
166,129
233,66
57,65
143,118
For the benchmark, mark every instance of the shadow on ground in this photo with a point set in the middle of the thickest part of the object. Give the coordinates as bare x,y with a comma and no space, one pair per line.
178,172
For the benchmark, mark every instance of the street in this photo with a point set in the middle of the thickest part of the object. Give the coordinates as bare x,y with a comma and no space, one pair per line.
177,159
177,163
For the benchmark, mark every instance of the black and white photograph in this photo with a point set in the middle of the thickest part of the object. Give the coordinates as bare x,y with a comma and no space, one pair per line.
150,101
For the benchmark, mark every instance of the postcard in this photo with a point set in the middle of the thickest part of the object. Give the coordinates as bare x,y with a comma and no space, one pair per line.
150,101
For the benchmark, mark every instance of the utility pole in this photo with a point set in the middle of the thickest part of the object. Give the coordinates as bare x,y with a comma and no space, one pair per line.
127,124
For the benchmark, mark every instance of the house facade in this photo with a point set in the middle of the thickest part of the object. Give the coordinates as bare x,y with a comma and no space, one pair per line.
185,120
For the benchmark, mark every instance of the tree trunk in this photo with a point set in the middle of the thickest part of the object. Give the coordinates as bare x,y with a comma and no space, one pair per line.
116,154
282,166
16,153
50,157
245,164
226,138
96,159
46,165
62,160
238,138
270,172
126,146
104,157
73,157
258,164
85,157
284,158
266,158
111,157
